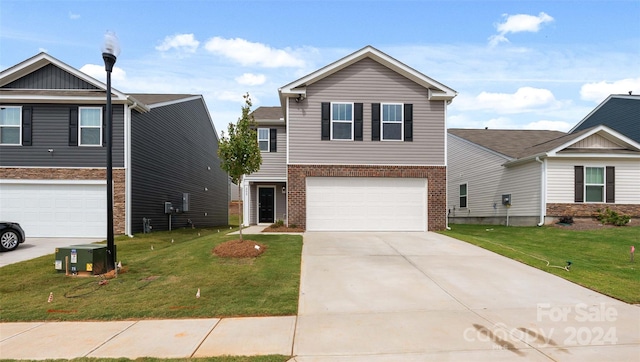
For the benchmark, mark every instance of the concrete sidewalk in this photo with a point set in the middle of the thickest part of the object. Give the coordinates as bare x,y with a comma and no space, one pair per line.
378,297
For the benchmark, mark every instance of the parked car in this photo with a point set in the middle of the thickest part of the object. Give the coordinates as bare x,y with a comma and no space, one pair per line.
11,235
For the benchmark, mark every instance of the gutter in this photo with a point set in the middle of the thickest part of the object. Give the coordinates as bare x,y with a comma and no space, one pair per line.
543,188
127,186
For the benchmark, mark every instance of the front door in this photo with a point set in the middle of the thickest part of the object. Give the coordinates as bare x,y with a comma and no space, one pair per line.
265,205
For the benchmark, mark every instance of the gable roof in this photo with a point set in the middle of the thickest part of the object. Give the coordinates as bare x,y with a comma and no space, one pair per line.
436,90
94,90
618,112
268,113
524,145
157,99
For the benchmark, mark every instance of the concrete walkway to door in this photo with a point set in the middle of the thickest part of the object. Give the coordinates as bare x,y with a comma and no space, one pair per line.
424,296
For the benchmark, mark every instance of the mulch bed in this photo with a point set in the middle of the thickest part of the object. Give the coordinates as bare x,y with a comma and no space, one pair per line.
239,249
282,229
590,224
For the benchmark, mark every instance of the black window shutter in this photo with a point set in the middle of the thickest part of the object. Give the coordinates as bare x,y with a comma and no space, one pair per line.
273,135
27,116
375,121
73,126
578,172
104,126
611,184
326,121
357,122
408,122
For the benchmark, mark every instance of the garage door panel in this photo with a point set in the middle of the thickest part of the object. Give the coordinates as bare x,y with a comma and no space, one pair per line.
366,204
55,210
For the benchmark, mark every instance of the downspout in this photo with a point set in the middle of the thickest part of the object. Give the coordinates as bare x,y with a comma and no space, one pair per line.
127,168
543,196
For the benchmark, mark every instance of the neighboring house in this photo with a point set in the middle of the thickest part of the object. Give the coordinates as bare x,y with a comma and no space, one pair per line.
53,159
618,112
359,145
546,175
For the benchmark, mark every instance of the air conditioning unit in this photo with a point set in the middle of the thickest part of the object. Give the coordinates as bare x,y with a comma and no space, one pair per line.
82,259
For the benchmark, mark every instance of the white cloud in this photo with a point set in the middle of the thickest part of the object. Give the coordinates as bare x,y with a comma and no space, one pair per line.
525,99
251,79
73,16
248,53
183,42
549,125
518,23
118,75
598,91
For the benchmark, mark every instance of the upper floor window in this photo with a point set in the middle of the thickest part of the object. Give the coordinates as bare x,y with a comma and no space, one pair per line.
392,122
90,126
463,195
263,139
342,121
594,184
10,125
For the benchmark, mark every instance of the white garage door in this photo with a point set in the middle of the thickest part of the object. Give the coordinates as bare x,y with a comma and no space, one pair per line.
366,204
56,209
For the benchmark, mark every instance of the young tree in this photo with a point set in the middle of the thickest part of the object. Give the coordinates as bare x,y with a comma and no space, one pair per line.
239,151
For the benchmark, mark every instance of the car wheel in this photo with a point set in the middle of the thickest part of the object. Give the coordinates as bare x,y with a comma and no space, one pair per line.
9,240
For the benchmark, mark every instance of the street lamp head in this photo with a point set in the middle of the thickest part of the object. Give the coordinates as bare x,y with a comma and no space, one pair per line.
110,50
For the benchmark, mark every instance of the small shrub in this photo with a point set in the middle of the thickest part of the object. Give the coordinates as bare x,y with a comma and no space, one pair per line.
293,226
566,220
278,224
609,216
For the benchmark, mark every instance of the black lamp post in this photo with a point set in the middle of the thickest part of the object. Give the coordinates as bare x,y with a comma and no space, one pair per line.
110,51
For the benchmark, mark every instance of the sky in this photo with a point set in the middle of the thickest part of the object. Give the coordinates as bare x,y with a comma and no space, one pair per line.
515,64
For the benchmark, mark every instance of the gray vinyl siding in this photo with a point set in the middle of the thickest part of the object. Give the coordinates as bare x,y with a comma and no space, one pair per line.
274,164
50,77
487,180
367,82
174,151
51,131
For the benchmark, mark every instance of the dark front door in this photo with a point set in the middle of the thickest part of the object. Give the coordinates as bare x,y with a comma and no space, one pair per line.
265,205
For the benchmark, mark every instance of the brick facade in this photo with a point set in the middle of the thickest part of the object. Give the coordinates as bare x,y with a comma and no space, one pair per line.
78,174
436,193
590,210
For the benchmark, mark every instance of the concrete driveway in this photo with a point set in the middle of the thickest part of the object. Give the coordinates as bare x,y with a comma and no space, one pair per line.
424,296
36,247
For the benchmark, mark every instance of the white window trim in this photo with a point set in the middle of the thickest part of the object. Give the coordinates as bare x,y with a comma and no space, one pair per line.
19,126
604,185
268,138
80,127
332,121
382,122
466,195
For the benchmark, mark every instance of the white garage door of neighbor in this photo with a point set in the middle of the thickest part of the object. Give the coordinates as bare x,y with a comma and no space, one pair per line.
56,209
366,204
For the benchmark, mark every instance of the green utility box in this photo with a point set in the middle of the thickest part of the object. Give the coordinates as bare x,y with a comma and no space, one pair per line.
89,258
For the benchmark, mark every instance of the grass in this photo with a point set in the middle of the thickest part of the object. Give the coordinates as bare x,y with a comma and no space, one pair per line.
600,258
161,283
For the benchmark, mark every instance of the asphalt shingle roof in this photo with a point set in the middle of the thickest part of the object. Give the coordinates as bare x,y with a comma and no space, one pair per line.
511,143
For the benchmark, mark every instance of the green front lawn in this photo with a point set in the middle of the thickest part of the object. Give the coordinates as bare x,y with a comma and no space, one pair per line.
600,258
161,282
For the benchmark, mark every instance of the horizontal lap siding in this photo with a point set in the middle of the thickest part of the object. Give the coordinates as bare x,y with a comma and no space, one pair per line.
561,179
51,131
366,82
274,164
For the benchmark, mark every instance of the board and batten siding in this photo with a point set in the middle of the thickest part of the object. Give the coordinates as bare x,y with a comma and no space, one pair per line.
487,180
366,82
274,164
50,131
51,77
560,179
174,151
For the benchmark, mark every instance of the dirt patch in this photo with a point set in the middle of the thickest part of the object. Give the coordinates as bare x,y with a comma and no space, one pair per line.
282,229
590,224
239,249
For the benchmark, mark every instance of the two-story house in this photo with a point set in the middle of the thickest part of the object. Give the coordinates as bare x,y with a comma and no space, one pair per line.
358,145
53,159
